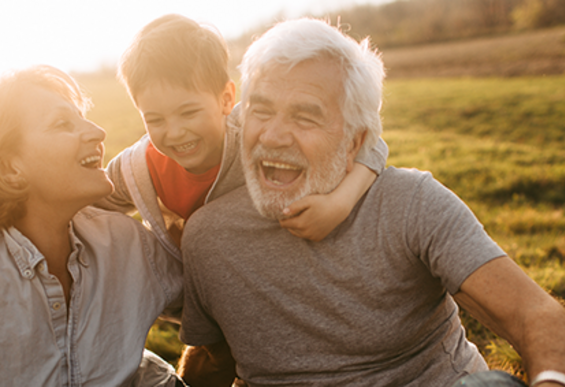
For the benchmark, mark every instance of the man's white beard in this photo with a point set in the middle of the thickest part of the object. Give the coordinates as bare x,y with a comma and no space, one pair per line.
270,202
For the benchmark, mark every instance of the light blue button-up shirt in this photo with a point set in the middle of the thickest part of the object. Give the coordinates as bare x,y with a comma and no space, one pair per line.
122,280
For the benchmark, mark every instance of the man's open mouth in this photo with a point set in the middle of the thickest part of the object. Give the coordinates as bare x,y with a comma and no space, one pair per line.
280,173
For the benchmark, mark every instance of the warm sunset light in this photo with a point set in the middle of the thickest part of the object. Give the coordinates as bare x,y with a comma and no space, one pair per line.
84,35
242,193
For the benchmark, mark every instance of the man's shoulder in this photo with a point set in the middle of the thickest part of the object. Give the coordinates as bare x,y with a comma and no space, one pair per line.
407,175
393,180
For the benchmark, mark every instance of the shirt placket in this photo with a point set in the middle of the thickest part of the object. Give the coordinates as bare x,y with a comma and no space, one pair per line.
72,348
58,310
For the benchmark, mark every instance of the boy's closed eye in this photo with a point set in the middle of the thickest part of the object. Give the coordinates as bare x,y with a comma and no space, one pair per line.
190,113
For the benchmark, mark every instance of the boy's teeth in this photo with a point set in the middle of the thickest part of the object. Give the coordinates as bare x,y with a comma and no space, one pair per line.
185,147
90,160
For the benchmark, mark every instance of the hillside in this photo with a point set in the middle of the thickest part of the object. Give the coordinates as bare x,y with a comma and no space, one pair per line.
540,52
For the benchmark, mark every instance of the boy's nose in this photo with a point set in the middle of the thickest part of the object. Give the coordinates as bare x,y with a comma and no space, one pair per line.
175,130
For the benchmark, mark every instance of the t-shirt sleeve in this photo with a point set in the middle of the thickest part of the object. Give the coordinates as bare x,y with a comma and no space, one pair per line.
198,326
445,234
374,158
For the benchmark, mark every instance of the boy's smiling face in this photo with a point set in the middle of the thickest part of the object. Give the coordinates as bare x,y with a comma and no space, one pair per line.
187,126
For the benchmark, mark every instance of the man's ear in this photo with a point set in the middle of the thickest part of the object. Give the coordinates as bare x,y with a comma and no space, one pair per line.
227,98
354,147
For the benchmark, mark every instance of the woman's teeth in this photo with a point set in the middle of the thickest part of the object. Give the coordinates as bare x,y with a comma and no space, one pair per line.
90,161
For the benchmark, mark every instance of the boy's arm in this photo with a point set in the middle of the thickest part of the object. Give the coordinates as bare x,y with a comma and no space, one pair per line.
120,200
315,216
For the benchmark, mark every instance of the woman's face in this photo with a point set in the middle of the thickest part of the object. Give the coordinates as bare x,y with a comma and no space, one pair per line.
60,154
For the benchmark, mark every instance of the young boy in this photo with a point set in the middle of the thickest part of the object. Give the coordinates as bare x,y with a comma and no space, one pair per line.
176,73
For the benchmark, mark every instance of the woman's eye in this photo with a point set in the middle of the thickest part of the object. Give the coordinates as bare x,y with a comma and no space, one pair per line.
65,125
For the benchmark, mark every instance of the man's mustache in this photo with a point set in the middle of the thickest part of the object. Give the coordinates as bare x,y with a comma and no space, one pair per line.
291,155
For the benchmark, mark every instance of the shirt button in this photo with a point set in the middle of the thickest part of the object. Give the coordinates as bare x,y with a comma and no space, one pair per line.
41,267
28,273
56,306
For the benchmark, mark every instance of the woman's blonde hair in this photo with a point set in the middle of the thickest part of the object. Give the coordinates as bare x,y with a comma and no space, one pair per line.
13,88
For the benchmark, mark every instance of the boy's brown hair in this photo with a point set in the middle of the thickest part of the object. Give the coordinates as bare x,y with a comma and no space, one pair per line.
178,51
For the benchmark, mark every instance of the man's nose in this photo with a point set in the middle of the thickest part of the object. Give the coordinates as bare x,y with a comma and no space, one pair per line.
277,133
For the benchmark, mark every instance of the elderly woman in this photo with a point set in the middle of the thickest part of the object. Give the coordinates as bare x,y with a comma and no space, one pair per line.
80,287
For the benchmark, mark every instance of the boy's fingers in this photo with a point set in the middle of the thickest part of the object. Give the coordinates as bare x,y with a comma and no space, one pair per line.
289,223
295,233
298,206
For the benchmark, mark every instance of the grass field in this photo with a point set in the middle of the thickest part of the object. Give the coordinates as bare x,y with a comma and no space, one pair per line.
497,142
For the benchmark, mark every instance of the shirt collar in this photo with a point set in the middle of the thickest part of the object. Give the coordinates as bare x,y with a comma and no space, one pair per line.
25,253
77,247
27,256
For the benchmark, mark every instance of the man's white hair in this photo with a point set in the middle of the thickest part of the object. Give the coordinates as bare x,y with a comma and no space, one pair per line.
295,41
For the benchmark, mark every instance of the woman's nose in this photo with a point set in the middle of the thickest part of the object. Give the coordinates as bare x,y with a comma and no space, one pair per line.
93,132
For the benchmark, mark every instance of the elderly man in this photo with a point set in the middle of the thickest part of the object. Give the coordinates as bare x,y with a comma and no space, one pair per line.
373,303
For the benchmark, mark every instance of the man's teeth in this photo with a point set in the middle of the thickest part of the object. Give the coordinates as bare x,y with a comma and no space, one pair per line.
186,147
90,160
272,164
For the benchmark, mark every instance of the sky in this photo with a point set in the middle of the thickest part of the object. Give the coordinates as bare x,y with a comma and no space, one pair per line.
84,35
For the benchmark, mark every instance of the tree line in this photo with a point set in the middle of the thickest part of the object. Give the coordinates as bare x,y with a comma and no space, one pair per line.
413,22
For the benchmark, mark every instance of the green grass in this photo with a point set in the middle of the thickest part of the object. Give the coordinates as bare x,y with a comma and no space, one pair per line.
498,143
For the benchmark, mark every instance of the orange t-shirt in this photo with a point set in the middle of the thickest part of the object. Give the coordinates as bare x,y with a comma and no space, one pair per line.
180,191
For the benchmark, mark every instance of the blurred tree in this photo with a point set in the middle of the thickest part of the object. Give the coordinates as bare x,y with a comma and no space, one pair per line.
533,14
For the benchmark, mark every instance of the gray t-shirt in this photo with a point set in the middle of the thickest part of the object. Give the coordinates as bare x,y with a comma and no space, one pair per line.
367,306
